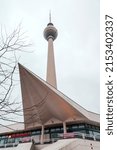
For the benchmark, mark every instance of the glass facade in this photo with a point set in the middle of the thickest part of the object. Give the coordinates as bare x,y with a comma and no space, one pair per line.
52,134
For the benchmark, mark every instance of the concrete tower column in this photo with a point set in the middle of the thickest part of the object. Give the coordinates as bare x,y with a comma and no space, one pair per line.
50,34
51,73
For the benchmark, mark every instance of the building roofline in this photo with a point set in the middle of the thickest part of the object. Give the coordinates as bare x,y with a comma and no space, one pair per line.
92,116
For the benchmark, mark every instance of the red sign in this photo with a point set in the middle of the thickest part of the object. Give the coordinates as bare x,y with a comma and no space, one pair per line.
19,135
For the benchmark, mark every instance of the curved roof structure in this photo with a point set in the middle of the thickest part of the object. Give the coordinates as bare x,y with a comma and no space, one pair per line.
42,102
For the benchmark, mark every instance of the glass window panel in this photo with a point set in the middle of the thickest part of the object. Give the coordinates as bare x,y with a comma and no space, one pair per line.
2,141
96,133
91,132
74,127
81,126
53,130
82,131
58,129
11,140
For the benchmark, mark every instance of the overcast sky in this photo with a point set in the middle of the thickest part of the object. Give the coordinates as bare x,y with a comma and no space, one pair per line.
76,47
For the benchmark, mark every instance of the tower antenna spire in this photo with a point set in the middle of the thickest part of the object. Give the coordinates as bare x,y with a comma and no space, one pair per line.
50,16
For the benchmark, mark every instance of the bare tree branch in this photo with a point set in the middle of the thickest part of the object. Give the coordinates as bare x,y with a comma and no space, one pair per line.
9,46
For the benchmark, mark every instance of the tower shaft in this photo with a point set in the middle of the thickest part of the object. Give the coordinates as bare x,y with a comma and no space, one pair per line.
50,34
51,72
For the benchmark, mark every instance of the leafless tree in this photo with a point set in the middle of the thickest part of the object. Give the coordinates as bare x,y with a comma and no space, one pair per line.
10,44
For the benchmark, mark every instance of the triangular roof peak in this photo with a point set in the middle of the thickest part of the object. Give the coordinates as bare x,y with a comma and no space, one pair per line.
42,102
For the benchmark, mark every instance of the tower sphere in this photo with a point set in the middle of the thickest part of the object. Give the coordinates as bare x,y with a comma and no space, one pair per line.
50,32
